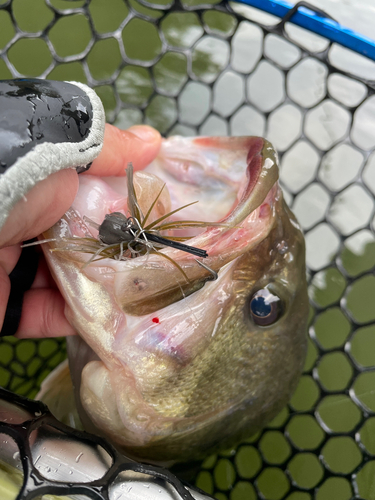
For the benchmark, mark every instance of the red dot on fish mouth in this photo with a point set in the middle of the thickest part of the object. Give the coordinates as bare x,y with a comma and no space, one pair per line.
155,320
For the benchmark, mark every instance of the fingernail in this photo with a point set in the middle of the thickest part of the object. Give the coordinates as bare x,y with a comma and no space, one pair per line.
145,133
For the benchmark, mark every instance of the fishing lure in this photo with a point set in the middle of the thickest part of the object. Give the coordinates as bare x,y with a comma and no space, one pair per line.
117,228
121,237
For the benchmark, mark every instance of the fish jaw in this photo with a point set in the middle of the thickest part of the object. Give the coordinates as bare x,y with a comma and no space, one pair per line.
160,339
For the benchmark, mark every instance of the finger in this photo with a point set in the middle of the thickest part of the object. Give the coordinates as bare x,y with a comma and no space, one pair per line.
43,277
4,294
45,204
139,145
9,257
43,315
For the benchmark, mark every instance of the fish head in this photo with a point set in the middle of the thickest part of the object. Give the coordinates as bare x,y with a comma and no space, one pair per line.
181,364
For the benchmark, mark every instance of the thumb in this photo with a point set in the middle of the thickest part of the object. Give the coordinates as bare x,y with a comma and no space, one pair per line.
138,144
44,205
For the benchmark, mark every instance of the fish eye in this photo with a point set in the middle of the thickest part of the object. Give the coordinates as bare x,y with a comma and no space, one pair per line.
265,307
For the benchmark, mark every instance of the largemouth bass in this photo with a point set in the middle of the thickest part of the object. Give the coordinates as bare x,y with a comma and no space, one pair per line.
170,364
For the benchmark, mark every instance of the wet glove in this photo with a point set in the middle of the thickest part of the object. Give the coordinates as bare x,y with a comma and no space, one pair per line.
45,127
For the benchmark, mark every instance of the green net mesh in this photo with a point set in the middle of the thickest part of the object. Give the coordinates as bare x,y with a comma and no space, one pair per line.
213,68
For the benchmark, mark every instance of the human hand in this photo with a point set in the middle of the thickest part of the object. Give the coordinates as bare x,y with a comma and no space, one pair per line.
43,305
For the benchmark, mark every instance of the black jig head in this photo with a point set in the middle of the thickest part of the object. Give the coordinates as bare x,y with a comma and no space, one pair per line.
119,229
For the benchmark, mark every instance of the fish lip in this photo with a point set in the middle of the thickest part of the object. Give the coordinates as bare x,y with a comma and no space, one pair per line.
262,168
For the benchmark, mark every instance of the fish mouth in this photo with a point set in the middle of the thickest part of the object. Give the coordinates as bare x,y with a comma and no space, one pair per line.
147,287
245,169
